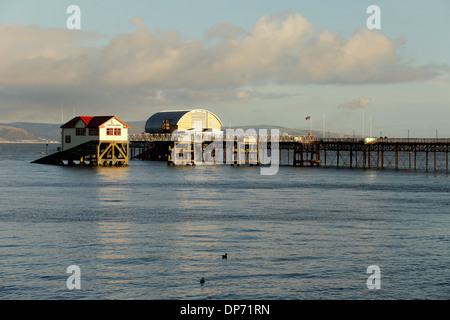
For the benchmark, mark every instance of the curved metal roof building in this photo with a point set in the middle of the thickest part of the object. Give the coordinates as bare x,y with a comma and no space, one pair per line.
183,120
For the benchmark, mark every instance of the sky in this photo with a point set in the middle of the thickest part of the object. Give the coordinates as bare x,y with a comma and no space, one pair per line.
249,62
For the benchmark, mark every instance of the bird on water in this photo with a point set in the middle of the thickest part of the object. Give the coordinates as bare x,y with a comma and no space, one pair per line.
202,280
225,256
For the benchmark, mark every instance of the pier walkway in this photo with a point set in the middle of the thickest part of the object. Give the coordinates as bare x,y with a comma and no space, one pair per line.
418,154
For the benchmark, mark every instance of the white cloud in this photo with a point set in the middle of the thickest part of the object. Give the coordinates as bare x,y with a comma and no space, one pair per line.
358,103
283,49
145,71
224,31
43,56
246,94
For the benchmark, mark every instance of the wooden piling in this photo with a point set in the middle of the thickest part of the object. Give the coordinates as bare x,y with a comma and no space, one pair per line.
415,159
396,159
351,158
364,159
337,158
446,160
410,159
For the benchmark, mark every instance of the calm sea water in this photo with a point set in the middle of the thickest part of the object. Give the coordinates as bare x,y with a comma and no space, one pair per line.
149,231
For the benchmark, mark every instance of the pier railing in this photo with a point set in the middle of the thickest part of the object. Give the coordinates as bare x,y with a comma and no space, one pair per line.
209,136
389,140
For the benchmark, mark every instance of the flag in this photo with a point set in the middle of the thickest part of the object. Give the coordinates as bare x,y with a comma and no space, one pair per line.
308,118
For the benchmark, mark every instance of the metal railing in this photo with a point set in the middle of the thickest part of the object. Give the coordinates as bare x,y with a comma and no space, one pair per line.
209,136
389,140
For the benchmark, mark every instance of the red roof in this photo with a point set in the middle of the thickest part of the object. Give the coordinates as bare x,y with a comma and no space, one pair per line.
86,120
91,122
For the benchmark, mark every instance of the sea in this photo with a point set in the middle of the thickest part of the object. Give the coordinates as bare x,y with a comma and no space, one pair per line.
151,231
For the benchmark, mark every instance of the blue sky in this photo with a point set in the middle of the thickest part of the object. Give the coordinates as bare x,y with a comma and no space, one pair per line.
411,91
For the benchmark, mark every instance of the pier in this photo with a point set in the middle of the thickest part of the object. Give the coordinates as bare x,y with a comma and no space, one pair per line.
191,137
387,153
383,153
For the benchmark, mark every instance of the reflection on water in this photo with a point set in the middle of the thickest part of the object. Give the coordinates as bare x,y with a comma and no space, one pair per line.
111,185
112,174
150,231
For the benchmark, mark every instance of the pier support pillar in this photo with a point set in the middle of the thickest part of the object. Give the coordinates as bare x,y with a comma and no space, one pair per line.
415,159
364,159
446,161
112,153
396,159
410,159
337,158
351,158
435,161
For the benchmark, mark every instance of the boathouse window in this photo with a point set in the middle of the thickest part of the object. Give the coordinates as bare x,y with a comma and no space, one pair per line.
117,131
166,126
80,131
93,131
68,139
109,131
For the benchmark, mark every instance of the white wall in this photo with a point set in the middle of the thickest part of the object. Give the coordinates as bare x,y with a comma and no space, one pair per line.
112,124
77,140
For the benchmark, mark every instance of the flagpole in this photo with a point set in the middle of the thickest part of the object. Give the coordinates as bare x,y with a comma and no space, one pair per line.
323,127
308,118
363,125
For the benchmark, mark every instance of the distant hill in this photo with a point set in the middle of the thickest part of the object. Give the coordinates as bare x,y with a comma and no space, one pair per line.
31,131
44,131
8,133
136,127
34,131
286,131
